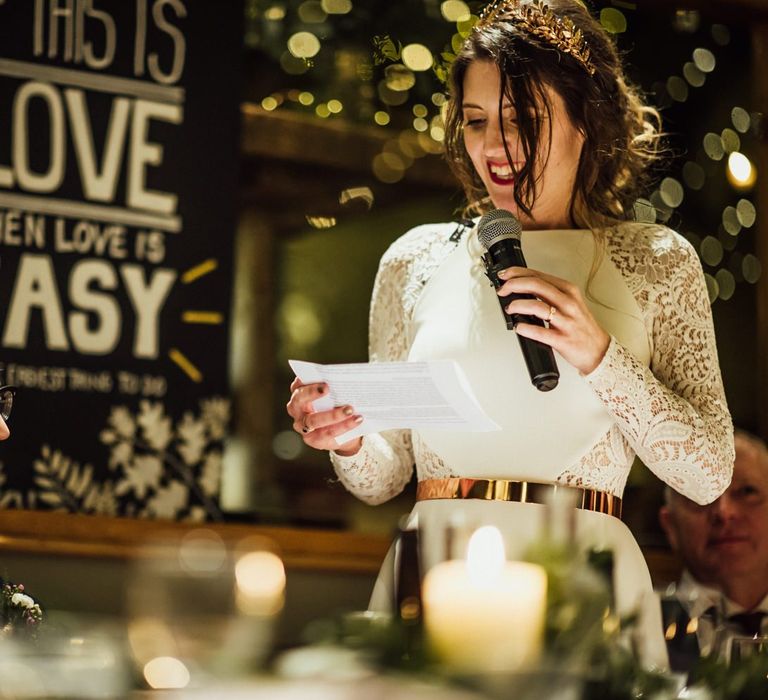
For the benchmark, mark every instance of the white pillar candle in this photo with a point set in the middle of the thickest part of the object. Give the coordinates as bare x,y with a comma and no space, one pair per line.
485,614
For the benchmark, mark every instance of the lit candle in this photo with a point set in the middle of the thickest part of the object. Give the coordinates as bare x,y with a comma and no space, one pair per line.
485,614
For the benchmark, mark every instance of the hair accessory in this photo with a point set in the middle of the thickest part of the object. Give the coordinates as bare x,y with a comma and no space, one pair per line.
538,19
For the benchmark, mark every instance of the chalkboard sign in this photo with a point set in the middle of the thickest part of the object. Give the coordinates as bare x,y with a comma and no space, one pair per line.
118,169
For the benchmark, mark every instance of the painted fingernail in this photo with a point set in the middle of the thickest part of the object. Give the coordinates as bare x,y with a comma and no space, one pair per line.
321,389
358,419
348,410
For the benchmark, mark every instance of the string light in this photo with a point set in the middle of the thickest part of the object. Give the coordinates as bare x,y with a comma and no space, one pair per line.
740,172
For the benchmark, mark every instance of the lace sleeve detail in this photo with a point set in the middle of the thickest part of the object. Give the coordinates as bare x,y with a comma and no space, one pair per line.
674,414
384,464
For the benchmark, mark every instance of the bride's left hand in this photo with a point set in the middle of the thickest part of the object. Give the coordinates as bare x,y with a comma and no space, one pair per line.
573,330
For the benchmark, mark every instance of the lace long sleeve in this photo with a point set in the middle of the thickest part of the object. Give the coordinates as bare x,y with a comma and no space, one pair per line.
673,414
384,464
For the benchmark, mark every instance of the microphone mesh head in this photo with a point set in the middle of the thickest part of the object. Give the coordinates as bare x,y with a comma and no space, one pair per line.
498,224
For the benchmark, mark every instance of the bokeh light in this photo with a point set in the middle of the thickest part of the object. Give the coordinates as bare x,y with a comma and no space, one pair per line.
726,284
312,12
746,213
704,60
454,10
693,75
388,167
275,13
303,45
269,103
671,192
730,221
337,7
740,119
694,175
711,251
713,146
292,65
399,78
417,57
741,173
677,88
731,140
613,20
751,268
166,673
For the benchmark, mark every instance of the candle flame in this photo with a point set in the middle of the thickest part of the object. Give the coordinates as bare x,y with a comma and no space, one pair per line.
485,555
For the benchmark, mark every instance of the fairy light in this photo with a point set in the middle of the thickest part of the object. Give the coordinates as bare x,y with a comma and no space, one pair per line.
746,213
704,60
613,20
417,57
336,7
269,103
740,172
454,10
731,140
303,45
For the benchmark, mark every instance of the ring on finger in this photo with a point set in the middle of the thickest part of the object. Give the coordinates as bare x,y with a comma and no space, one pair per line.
552,312
304,427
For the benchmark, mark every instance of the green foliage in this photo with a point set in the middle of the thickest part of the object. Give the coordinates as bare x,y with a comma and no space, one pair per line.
743,679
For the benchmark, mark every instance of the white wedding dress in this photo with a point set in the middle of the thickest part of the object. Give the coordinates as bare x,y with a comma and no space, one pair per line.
657,393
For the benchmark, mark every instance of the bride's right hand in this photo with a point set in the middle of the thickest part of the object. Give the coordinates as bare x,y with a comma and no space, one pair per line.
319,429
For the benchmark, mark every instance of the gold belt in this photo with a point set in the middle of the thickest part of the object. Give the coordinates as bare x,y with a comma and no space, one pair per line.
521,491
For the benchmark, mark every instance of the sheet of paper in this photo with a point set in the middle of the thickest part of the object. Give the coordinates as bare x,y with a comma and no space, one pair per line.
430,395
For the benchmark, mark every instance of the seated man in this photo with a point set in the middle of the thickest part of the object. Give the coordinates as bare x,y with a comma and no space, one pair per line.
724,549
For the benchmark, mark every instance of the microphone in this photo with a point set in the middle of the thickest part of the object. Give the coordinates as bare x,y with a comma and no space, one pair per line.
499,233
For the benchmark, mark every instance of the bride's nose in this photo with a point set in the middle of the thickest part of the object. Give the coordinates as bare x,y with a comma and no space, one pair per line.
495,139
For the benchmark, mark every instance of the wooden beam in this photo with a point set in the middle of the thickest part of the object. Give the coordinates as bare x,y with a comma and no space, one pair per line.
335,144
91,536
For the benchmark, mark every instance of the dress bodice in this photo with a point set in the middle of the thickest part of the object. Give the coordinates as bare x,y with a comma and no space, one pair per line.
458,317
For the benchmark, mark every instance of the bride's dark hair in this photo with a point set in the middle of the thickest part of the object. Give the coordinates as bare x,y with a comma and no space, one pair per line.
621,133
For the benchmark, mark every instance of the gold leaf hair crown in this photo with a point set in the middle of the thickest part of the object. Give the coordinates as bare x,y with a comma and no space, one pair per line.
538,19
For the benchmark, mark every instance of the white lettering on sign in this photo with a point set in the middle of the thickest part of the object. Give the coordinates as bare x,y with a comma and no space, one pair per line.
95,323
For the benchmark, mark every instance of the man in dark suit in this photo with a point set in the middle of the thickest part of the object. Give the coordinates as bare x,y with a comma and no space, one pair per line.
724,549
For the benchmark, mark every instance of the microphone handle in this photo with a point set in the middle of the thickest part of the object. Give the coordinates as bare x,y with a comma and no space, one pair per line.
539,357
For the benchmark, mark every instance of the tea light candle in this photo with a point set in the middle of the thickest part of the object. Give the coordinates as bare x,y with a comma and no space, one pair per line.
485,614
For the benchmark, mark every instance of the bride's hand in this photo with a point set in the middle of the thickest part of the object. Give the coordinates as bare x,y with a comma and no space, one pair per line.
573,330
319,429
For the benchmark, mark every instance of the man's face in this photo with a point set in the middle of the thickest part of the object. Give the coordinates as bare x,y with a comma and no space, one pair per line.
728,538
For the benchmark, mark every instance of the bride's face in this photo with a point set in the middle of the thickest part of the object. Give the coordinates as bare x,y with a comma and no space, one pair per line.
554,174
